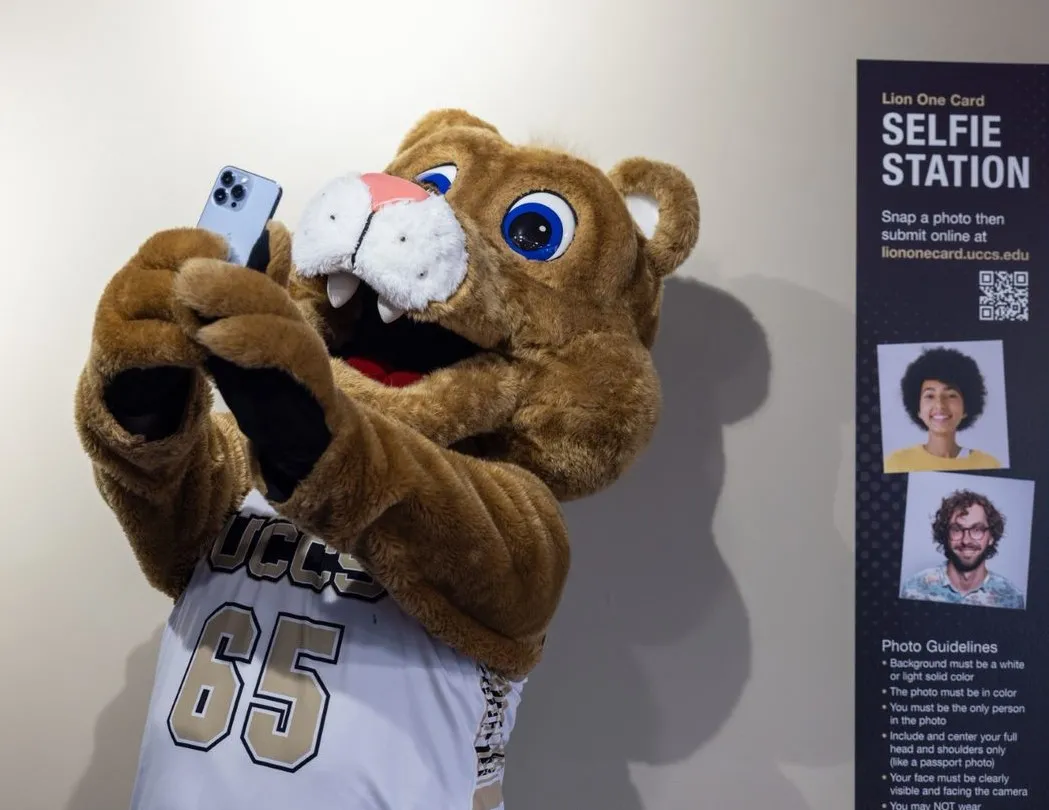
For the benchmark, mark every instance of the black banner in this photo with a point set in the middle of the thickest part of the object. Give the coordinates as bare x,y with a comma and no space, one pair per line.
952,437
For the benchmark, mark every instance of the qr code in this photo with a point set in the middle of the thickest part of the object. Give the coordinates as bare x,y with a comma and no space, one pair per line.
1003,295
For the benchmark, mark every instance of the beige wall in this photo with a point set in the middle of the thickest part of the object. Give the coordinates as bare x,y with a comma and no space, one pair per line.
719,573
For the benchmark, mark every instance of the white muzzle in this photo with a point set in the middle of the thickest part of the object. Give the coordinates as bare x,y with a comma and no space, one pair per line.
389,233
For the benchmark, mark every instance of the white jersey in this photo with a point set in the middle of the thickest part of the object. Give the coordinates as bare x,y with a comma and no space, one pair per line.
288,679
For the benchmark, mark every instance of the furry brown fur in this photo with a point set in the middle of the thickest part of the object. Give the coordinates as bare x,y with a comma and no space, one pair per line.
446,490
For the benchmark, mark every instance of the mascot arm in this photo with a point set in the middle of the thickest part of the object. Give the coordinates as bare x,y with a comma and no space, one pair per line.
475,548
169,470
170,496
477,551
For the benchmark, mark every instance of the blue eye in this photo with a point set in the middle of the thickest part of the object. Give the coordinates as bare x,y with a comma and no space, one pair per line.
540,226
441,176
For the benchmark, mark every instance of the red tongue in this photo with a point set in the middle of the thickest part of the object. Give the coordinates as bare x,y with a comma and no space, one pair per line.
383,374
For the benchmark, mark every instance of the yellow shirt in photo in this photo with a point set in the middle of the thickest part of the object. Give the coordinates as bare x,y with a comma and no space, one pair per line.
918,459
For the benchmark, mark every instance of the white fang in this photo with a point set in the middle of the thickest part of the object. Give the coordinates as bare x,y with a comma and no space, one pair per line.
341,287
388,312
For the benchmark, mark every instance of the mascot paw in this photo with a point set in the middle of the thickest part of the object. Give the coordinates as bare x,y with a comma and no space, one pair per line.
144,362
270,366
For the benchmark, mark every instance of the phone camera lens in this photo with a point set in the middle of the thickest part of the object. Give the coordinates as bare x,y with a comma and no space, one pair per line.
220,195
237,192
227,178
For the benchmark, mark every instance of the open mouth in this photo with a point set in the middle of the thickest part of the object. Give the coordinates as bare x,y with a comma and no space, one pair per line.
386,248
399,352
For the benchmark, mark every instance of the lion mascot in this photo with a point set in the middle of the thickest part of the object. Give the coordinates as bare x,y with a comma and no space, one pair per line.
365,551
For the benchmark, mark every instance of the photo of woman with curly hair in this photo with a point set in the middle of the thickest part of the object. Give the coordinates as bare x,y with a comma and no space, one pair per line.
943,392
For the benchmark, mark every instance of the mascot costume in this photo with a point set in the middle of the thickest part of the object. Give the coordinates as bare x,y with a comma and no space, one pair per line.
366,551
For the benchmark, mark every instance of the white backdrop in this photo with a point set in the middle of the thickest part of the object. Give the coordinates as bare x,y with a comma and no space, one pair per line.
708,677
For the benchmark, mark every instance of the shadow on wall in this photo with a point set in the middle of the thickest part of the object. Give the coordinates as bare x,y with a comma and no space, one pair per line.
652,647
110,775
793,726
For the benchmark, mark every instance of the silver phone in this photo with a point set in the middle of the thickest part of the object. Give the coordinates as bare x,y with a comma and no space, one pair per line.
237,209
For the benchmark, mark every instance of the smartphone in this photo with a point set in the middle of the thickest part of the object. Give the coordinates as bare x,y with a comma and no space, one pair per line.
239,205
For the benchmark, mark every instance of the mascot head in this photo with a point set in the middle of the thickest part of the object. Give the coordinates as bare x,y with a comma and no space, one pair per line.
501,298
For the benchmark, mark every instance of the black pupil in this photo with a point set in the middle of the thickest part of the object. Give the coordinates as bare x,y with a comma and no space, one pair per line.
531,231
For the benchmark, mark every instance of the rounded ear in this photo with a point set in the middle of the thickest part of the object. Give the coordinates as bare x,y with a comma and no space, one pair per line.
441,119
664,204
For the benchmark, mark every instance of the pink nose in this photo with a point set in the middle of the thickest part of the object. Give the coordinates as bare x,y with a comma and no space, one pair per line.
386,189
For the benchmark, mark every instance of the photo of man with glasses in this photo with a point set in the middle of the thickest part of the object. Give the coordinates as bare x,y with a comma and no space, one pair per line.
967,530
